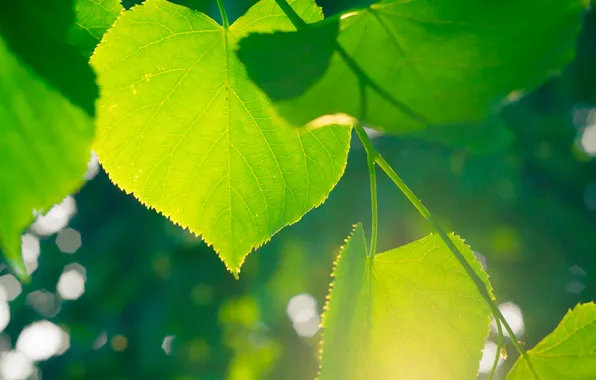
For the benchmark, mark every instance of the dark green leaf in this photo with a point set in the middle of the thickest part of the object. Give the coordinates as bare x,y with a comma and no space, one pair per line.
47,92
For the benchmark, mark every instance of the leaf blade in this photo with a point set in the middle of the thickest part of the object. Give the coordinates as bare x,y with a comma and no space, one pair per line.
567,352
45,133
402,300
190,135
93,19
442,63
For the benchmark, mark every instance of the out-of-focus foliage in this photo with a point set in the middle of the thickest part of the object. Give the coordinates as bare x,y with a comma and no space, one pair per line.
528,207
44,86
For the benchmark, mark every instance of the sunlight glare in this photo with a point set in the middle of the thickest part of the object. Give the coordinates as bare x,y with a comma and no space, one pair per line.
101,340
15,365
166,345
513,315
480,257
335,119
68,240
41,340
575,287
10,287
301,308
71,284
92,167
30,251
55,219
44,302
309,328
302,311
4,314
488,357
588,140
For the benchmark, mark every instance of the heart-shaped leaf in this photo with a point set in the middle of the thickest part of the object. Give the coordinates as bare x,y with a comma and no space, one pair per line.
182,127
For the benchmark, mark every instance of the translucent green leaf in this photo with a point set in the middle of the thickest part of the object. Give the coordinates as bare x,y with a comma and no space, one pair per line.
402,65
45,127
93,19
183,128
408,313
567,353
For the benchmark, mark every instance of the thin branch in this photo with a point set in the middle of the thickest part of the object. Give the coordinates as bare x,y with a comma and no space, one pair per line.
363,77
376,157
499,348
373,195
480,285
224,15
295,19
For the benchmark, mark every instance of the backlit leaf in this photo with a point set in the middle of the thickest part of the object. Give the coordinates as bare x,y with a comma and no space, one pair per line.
93,18
408,313
569,352
183,128
403,65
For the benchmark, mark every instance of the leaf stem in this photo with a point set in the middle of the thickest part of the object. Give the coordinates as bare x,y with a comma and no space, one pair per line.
299,23
295,19
499,348
374,156
224,15
480,285
370,159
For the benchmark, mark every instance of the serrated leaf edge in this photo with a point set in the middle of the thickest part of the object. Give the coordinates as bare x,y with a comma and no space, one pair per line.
328,296
235,271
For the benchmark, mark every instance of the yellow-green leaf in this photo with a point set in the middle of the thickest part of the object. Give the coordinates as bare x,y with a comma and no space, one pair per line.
183,128
411,313
569,352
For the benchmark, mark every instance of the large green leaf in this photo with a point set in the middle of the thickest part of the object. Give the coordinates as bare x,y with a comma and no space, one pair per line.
93,19
183,128
402,65
567,353
46,97
408,313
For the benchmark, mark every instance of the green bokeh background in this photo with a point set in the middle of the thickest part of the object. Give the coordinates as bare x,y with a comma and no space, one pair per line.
521,202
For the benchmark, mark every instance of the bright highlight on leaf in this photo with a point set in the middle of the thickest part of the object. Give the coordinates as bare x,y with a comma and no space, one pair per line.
182,127
45,128
569,352
442,62
408,313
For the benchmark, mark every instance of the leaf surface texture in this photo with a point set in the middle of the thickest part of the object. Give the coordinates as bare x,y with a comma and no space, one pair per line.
569,352
182,127
404,65
408,313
